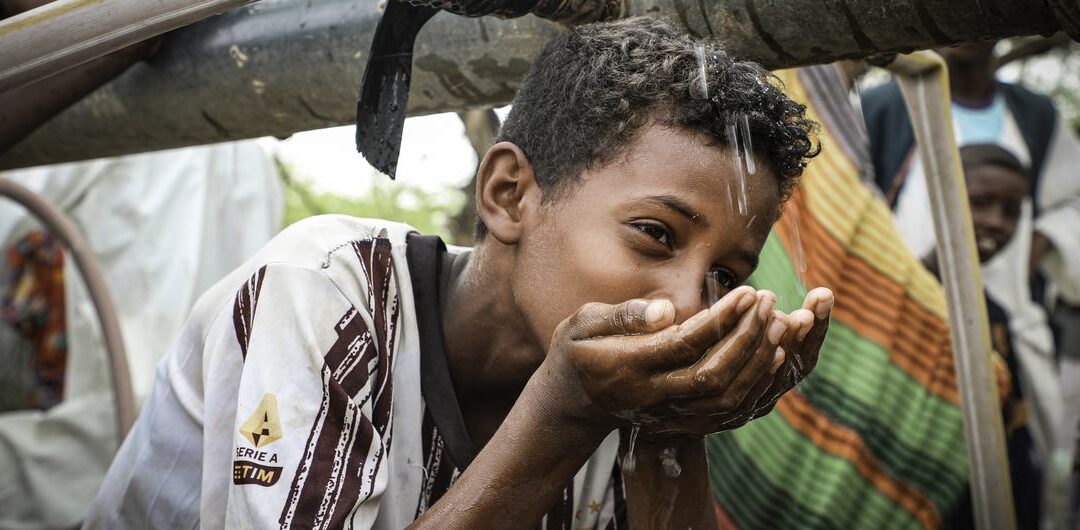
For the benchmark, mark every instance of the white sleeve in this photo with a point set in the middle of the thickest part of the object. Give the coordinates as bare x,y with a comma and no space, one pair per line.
1059,202
272,410
308,441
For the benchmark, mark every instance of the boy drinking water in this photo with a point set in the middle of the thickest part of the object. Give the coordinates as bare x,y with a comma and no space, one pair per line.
356,374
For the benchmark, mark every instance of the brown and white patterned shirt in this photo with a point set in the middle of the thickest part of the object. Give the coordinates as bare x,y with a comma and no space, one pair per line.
309,389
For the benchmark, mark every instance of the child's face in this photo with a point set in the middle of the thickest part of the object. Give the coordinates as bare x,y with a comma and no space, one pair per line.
649,225
995,194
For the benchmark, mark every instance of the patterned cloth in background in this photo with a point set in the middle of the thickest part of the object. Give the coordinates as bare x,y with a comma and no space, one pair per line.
874,437
32,303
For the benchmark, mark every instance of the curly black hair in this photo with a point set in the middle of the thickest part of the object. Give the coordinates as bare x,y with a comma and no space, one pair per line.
593,88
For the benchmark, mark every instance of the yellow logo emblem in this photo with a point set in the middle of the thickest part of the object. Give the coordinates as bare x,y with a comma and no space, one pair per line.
263,427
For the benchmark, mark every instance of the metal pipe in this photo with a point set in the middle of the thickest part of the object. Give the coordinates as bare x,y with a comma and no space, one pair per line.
925,84
60,226
66,33
281,66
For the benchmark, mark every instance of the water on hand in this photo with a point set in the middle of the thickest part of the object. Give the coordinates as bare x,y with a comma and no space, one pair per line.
629,463
670,462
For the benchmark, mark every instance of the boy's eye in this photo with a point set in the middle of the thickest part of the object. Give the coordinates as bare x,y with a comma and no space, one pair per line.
724,278
658,232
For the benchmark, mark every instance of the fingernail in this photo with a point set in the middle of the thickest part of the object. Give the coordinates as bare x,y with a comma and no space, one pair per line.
656,311
746,300
776,331
823,308
637,307
804,330
778,359
768,301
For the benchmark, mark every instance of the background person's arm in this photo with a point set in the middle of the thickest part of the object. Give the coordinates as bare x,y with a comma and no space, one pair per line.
1055,245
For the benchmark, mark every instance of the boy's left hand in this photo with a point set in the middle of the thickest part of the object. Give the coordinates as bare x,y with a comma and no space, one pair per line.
795,359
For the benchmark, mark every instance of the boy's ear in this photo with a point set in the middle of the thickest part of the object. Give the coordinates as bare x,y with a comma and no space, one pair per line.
505,184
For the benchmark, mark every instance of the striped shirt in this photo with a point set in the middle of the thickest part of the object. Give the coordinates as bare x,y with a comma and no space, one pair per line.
310,389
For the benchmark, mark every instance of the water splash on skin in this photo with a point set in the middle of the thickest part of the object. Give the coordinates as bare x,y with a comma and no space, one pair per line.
629,463
736,162
670,462
796,241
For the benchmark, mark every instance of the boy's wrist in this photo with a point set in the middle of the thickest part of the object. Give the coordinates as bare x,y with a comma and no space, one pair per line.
555,396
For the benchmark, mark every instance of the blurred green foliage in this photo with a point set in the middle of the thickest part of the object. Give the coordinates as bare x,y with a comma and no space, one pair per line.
428,212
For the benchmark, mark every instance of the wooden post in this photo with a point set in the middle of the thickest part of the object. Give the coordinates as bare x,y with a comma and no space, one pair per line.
925,84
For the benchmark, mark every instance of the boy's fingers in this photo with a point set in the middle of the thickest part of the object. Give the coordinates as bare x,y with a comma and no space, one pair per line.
682,345
805,354
631,317
819,300
702,330
758,370
721,364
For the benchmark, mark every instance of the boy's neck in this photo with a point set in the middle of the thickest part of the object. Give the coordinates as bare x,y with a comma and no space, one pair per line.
489,347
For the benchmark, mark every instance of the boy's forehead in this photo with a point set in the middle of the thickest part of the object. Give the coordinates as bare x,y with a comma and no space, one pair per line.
686,173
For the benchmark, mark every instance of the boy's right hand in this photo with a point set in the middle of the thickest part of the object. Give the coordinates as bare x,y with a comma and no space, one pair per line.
630,362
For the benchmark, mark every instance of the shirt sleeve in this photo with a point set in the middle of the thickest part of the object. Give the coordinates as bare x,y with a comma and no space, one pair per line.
308,442
1059,201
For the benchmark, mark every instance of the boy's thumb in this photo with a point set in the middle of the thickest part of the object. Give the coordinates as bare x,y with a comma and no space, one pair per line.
628,318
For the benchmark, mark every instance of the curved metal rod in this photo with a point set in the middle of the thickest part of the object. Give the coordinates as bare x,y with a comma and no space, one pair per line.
62,227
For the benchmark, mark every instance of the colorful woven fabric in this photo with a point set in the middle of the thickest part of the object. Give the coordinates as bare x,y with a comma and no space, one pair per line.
874,437
32,303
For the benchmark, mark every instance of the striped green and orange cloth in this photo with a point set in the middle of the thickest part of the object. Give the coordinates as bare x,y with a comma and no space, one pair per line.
873,438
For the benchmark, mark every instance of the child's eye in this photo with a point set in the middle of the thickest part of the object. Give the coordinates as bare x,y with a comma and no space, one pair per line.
658,232
724,278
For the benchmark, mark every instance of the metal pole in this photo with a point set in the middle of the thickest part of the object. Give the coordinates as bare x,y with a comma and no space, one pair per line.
60,226
66,33
281,66
925,84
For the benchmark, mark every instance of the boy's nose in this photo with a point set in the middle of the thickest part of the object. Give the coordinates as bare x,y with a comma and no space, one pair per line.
690,298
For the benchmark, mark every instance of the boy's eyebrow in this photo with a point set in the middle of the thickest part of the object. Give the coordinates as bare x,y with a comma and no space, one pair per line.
674,203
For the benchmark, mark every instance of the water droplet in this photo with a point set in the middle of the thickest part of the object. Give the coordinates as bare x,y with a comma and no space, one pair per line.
796,241
700,86
713,292
629,463
736,163
670,463
747,143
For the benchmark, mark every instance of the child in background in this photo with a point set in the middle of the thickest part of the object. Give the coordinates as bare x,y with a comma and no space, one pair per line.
996,184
